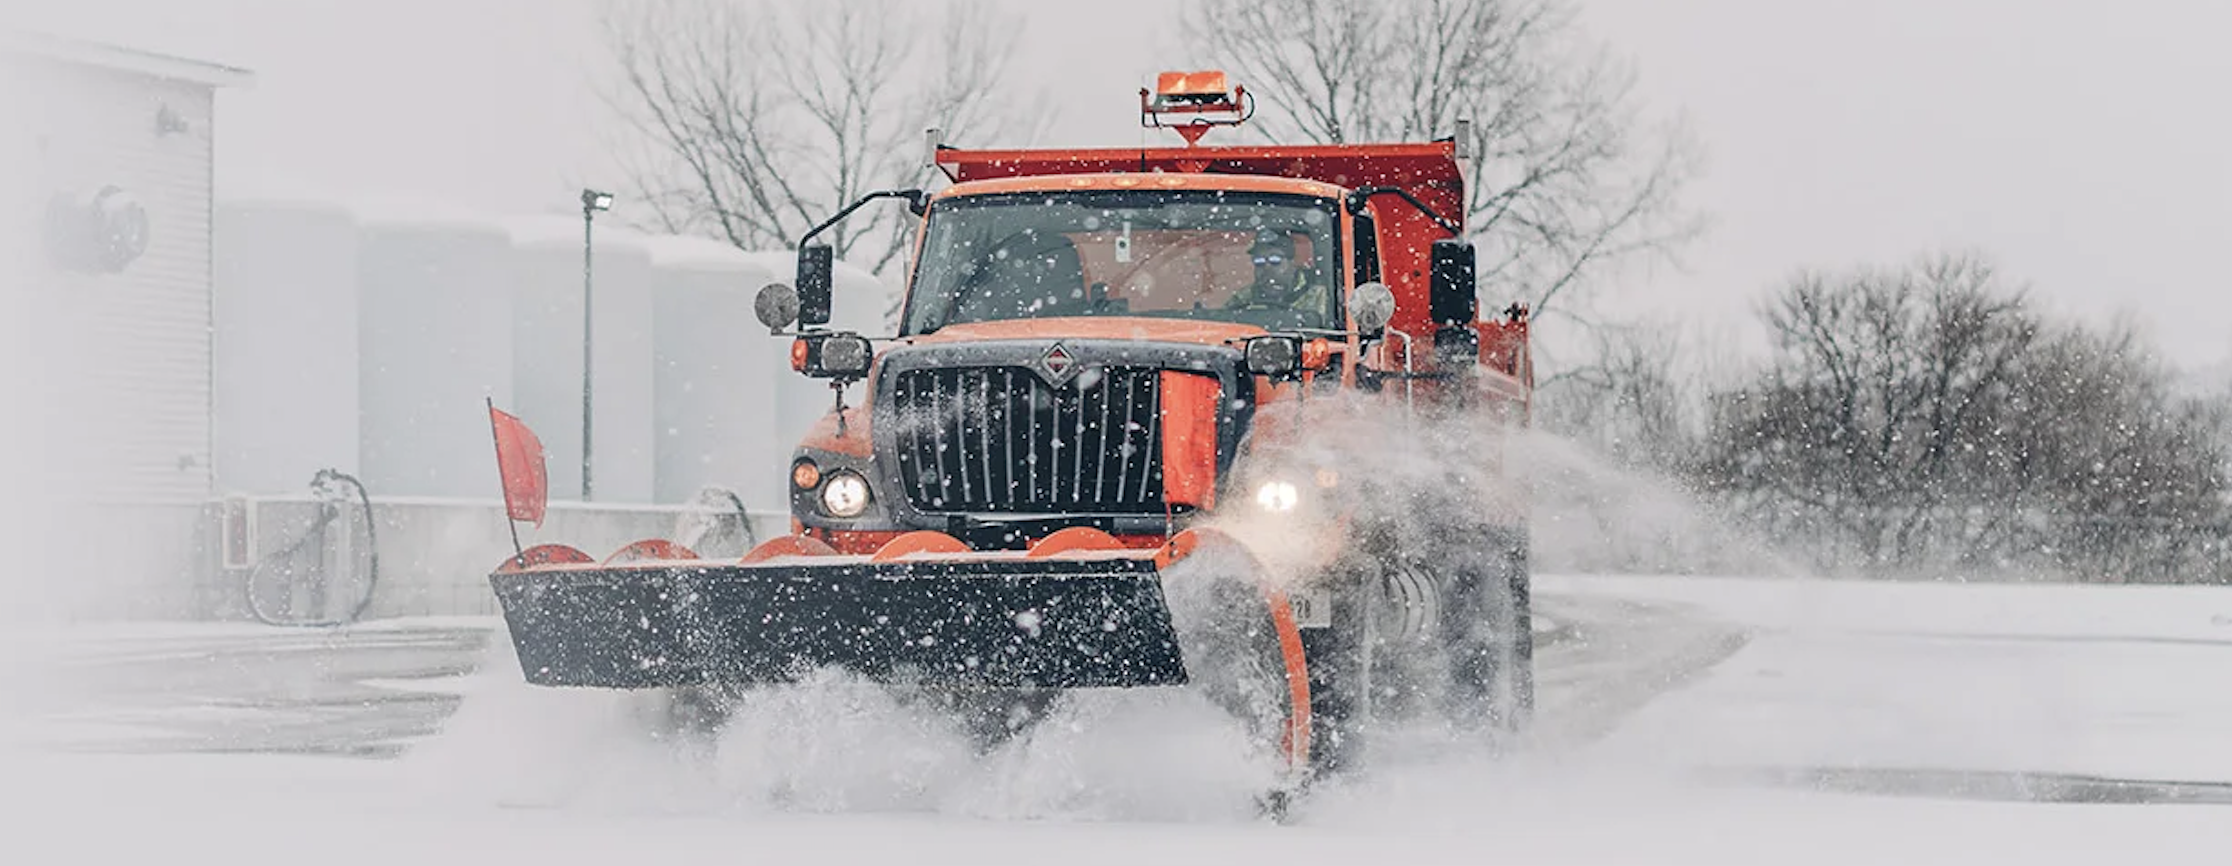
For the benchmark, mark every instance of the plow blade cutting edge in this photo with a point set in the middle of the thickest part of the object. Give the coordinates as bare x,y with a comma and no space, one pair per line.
993,622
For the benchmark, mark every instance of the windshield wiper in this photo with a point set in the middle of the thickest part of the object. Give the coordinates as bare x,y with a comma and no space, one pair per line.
969,285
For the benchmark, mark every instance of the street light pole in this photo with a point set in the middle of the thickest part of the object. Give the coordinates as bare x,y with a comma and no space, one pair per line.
592,201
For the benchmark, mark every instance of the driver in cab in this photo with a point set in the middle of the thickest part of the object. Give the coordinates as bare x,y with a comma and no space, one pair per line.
1280,282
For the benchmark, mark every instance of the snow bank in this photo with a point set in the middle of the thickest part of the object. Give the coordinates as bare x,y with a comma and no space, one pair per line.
2089,679
1808,605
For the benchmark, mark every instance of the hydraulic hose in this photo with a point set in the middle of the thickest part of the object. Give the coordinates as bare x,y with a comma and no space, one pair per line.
324,487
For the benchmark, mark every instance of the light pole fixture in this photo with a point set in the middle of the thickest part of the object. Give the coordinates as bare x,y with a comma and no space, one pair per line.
592,201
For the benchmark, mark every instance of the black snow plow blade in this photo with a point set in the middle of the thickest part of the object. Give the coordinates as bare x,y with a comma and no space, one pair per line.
994,623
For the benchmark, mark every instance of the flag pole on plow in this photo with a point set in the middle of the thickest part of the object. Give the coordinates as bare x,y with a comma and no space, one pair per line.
520,467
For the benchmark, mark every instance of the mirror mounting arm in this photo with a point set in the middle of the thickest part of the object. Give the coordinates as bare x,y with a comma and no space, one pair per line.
917,202
1357,199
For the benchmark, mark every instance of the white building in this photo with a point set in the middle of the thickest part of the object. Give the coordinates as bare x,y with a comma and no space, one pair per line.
120,146
183,348
107,295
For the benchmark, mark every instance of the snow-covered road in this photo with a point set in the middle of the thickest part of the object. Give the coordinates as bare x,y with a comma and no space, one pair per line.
1685,720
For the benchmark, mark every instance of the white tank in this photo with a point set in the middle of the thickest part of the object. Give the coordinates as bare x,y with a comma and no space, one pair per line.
546,287
716,374
435,342
285,349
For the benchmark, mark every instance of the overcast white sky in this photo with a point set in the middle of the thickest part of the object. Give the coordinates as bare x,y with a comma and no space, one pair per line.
2085,144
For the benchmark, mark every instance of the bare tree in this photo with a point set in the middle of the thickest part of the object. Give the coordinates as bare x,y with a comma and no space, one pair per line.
1927,418
764,117
1634,401
1564,178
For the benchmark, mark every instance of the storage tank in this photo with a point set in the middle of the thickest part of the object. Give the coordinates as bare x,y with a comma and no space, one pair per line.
285,351
716,372
434,343
858,302
546,287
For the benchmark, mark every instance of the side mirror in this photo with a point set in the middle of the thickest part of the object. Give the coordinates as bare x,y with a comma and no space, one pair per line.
776,306
1373,306
1455,298
816,273
1274,356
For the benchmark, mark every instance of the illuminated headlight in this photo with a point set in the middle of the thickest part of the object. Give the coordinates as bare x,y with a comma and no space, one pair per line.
1278,496
845,494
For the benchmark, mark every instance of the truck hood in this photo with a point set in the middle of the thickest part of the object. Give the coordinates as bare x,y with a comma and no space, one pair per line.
1190,331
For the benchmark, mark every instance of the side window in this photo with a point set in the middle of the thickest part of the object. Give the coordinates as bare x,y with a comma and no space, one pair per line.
1367,270
1367,250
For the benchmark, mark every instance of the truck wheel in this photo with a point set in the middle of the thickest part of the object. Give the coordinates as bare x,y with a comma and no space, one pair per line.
1513,656
1489,624
1339,684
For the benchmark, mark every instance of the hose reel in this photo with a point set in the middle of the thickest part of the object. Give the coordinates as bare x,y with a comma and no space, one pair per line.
294,585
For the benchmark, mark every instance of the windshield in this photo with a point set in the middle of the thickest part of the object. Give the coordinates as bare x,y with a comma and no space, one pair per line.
1263,259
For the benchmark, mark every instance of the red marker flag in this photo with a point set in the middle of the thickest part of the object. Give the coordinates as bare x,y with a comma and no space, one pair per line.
519,461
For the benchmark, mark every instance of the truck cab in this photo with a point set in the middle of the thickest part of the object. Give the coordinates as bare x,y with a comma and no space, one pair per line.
1087,335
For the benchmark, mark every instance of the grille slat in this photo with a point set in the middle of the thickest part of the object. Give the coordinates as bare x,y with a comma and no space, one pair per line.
968,415
1125,446
1150,469
984,420
1076,439
1100,474
999,458
1027,402
977,455
912,426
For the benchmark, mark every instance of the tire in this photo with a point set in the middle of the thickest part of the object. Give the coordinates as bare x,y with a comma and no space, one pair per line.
1338,664
1489,628
1513,649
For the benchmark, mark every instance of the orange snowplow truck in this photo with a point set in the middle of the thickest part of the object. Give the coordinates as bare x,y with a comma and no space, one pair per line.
1102,357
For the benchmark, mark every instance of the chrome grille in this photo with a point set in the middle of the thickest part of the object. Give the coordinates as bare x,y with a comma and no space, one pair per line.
1000,439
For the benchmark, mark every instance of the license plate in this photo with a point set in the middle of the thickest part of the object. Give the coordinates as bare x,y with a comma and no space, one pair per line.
1313,608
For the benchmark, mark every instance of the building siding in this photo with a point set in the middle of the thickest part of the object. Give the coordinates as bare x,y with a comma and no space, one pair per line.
129,352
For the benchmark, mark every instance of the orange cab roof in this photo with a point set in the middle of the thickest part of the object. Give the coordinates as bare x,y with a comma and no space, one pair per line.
1428,169
1136,180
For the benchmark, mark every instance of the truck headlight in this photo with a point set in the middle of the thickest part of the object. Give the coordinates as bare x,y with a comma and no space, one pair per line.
845,494
1278,496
